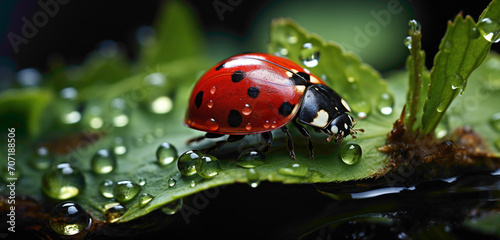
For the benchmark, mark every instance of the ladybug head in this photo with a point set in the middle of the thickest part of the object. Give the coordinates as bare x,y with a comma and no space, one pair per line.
340,127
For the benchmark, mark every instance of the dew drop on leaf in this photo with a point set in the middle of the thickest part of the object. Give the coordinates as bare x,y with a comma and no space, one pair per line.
253,177
103,162
456,80
489,29
41,159
161,105
172,207
441,107
63,181
208,166
474,33
407,42
350,153
145,198
171,182
107,188
119,147
309,55
414,25
251,158
187,161
142,181
294,169
385,103
113,214
166,154
69,218
126,190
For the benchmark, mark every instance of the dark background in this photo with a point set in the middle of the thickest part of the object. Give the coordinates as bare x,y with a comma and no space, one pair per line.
80,26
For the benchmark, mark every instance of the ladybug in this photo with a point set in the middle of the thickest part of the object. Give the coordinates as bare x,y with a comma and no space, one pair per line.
256,93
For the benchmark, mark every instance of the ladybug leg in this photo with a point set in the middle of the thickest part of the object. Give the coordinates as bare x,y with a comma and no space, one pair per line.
306,134
290,142
219,144
200,138
268,140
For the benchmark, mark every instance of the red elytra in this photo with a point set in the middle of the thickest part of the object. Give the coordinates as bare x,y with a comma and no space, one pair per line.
247,94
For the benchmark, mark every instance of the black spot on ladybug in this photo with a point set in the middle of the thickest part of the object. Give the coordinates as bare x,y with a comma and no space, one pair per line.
300,78
237,76
234,119
285,109
253,92
198,99
219,67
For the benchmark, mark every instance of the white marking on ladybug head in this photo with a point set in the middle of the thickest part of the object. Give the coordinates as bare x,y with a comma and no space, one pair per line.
289,74
301,88
314,80
321,119
345,105
334,129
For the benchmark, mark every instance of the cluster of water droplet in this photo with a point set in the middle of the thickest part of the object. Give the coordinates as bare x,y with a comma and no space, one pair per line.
192,162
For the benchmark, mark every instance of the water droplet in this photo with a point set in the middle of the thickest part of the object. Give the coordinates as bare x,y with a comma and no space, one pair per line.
142,181
253,177
161,105
145,198
41,159
251,158
497,143
210,103
407,42
360,106
385,103
69,93
107,188
62,181
159,132
414,26
103,162
212,90
495,121
29,77
126,190
490,29
291,36
187,161
248,126
246,110
155,80
119,147
350,153
69,218
120,112
145,35
441,107
208,166
113,214
192,184
274,124
267,124
309,55
457,81
171,182
166,153
281,51
212,125
172,207
294,169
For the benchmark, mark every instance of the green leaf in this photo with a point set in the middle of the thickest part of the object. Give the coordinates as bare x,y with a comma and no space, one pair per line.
462,50
177,36
23,109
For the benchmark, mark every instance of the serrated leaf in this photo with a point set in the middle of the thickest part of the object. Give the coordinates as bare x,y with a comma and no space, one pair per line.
462,50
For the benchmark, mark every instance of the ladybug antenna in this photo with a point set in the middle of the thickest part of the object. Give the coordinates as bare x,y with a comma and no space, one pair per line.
355,131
